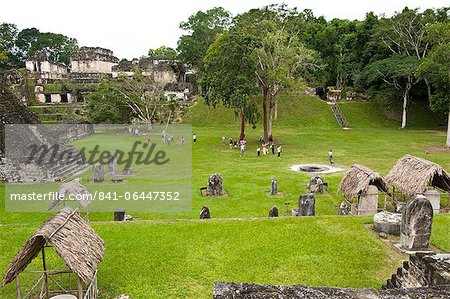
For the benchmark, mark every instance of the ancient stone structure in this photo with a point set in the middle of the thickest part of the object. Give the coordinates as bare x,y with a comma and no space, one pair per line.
112,166
435,199
415,228
333,95
119,215
295,212
215,187
273,212
368,202
93,60
274,187
99,175
316,184
422,270
387,222
307,205
344,209
46,69
204,213
231,290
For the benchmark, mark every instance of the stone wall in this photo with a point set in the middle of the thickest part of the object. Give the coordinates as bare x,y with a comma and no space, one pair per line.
422,270
230,290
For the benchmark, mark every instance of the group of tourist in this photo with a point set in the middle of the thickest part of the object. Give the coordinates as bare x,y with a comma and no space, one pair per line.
266,145
269,145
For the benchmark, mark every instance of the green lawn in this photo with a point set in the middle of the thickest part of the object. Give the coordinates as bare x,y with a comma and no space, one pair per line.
174,255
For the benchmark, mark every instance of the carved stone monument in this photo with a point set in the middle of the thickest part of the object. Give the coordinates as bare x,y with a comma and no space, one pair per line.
204,213
368,201
274,187
344,209
387,222
307,203
99,173
435,198
112,165
215,185
273,212
417,220
316,184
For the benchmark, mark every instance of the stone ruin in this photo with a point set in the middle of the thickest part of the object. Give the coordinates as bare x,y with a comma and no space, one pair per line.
99,175
333,95
274,186
367,202
387,222
344,209
233,290
316,184
60,161
205,213
435,199
307,205
423,276
422,270
215,187
273,212
417,220
112,165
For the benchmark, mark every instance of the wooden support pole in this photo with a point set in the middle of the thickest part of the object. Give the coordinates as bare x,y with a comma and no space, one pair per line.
44,265
18,287
80,288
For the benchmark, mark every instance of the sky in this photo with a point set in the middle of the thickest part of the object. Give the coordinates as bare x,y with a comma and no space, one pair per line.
131,27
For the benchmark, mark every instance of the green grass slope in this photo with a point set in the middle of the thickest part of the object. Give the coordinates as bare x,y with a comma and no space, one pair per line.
301,111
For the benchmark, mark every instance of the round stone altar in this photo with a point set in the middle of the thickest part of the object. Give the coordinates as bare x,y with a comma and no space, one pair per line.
315,168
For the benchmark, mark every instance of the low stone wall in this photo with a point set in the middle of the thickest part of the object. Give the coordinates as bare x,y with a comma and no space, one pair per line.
230,290
422,270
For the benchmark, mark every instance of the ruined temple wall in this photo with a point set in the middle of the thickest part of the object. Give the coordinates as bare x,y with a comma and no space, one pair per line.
95,66
46,69
421,270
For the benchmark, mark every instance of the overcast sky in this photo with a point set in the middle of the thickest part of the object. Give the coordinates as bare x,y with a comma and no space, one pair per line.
131,27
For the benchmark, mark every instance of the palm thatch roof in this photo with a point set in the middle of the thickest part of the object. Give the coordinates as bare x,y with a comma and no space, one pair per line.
412,175
358,179
72,239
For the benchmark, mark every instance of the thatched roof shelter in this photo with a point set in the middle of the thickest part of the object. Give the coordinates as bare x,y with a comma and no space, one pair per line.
73,240
412,175
358,179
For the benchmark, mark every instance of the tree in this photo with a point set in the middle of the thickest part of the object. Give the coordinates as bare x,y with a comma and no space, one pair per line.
398,72
202,30
228,75
8,57
58,47
120,99
436,69
163,51
278,55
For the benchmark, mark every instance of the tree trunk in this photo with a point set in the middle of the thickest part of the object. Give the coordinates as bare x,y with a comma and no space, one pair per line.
270,116
242,135
265,94
448,130
405,104
276,109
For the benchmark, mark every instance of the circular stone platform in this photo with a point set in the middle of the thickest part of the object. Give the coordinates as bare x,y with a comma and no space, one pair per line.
315,168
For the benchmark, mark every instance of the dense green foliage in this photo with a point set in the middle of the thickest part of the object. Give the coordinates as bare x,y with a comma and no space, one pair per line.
18,46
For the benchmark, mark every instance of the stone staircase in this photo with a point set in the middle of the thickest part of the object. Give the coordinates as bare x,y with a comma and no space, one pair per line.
421,270
339,115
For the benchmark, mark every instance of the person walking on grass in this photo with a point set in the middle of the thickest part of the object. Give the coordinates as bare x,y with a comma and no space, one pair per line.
258,152
279,151
264,146
330,158
194,137
242,149
223,139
